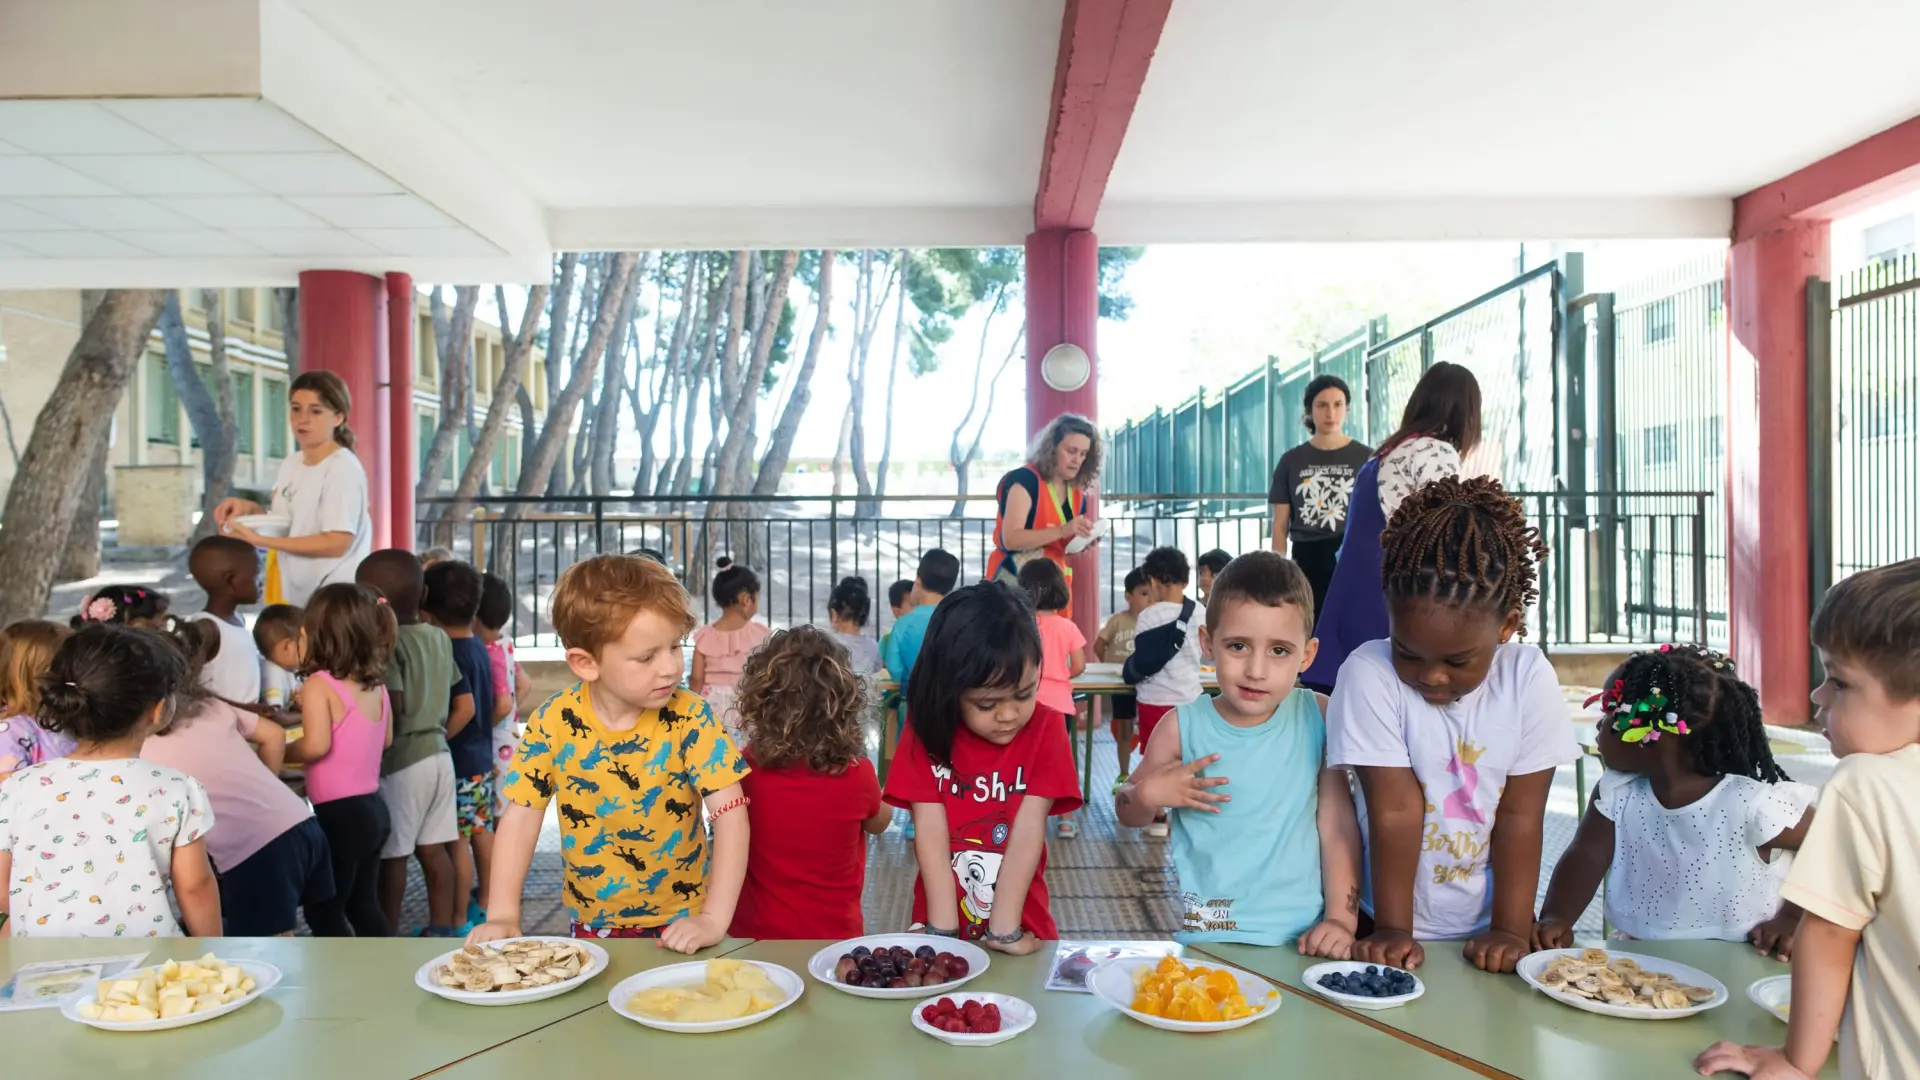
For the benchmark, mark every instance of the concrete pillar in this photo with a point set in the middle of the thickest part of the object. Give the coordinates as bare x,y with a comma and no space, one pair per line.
402,463
1063,305
343,329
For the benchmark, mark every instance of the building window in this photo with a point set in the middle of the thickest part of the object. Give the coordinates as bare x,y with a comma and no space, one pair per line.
242,411
1658,446
1659,321
270,314
274,401
163,403
245,308
1888,241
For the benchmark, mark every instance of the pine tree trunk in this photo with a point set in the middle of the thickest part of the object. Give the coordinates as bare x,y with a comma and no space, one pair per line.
676,363
510,387
67,435
841,450
738,448
289,301
893,377
553,437
452,350
221,454
592,278
80,555
774,465
683,473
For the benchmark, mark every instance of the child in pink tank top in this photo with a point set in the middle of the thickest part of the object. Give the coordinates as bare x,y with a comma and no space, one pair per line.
347,637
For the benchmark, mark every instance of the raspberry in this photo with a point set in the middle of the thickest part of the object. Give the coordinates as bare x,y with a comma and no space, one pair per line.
931,1014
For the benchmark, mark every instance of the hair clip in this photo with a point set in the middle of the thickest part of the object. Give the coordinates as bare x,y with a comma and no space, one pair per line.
381,600
99,609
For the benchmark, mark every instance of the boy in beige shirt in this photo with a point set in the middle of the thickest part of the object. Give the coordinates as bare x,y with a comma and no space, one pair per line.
1859,942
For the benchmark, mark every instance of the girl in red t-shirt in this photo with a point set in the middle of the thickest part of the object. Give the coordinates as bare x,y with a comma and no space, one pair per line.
810,792
981,766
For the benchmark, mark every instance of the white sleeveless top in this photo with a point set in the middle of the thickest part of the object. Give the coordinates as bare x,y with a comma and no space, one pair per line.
1696,872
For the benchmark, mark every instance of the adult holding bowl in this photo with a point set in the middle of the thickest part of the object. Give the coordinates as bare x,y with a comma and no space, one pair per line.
1439,426
1313,484
320,495
1042,504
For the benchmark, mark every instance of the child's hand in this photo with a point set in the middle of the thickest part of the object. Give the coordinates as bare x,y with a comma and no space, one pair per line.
1328,939
1496,950
1027,944
1759,1062
1775,936
493,930
691,934
1179,785
1552,934
1392,947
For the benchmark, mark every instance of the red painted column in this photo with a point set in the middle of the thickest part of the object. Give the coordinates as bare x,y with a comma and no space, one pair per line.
400,348
1063,305
343,329
1766,434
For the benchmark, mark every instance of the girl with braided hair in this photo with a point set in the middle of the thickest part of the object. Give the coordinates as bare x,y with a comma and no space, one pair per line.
1689,823
1455,730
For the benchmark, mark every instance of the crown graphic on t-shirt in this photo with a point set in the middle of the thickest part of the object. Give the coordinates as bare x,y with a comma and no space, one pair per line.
1469,753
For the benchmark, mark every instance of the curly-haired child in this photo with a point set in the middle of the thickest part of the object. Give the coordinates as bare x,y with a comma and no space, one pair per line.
812,792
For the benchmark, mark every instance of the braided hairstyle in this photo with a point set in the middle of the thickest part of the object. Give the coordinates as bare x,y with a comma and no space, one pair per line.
1725,735
1462,543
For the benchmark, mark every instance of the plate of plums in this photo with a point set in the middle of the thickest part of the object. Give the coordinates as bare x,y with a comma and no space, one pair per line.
898,966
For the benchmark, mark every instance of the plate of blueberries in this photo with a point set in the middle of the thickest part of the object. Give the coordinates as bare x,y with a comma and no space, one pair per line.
1363,986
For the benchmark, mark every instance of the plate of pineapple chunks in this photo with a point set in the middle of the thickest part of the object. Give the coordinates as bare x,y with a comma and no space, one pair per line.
174,994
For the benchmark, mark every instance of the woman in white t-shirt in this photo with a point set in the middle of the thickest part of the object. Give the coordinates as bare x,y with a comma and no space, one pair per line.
1455,731
322,489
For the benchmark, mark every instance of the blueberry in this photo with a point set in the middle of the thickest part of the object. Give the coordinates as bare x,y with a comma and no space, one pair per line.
1373,969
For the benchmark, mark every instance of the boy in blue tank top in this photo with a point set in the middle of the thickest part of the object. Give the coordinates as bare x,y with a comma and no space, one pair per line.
1275,855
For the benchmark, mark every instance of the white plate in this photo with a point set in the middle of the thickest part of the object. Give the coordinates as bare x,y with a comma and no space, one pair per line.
1081,543
1773,993
1356,1001
275,525
821,966
264,975
1099,669
596,963
695,974
1016,1016
1112,982
1532,966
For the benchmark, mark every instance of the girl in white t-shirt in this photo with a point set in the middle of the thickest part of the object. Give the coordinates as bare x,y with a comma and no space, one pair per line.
1454,729
1689,824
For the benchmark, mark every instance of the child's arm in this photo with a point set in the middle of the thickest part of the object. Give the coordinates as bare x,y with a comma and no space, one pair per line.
1396,809
1076,663
386,722
698,677
1517,825
460,714
1575,879
1164,781
930,852
513,839
270,743
502,708
6,906
1017,867
1339,870
196,890
1775,936
730,839
881,819
321,708
522,685
1282,518
1822,977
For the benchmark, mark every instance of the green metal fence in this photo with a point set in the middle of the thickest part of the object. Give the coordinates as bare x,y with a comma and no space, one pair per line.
1876,416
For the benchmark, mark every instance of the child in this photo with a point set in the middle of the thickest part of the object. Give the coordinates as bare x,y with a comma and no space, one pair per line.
276,634
1113,645
452,601
847,609
510,683
720,648
348,723
1859,942
123,605
812,794
109,688
1063,649
229,571
435,555
1455,731
267,849
26,651
1165,666
1688,819
1207,567
1275,856
633,760
982,766
416,772
935,578
900,597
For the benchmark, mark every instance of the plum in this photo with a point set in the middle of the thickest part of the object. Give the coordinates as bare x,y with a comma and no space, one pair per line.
845,967
913,978
896,983
958,967
925,952
860,952
855,978
917,966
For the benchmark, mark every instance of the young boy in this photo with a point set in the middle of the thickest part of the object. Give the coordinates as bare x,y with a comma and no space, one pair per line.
1276,856
1859,942
451,603
1206,568
416,773
935,578
900,597
510,684
229,571
632,758
276,633
1113,645
1164,669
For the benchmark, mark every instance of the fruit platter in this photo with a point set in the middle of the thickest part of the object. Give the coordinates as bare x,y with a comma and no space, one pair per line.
1174,996
898,966
974,1019
1363,986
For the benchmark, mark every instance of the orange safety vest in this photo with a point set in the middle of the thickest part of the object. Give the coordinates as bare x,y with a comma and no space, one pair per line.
1047,513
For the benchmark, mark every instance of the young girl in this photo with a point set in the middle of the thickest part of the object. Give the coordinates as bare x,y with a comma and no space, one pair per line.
720,648
812,794
348,638
124,605
269,852
99,836
848,608
1063,648
1455,731
26,651
1686,823
510,683
981,766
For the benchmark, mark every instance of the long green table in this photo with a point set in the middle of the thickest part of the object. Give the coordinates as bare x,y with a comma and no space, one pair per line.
828,1033
344,1008
1507,1027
